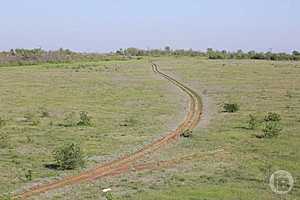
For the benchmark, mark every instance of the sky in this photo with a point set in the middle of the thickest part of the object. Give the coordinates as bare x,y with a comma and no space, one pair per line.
104,26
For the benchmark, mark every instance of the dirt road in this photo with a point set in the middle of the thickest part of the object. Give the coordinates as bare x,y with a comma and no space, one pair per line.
122,164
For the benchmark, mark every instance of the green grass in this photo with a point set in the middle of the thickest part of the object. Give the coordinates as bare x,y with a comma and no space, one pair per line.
114,93
111,92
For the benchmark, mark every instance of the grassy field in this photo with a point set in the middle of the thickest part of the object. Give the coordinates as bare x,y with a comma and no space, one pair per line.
36,100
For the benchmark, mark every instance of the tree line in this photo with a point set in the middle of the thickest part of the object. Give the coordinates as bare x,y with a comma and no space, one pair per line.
211,54
215,54
38,55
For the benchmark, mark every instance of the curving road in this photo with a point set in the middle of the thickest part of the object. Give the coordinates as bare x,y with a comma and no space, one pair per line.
122,164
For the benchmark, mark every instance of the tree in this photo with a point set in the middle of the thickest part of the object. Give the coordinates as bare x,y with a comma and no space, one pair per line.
12,52
296,53
131,51
120,52
167,49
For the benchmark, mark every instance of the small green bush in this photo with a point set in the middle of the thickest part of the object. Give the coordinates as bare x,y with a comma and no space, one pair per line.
109,196
271,129
29,139
252,122
272,117
69,156
32,119
85,120
2,122
288,94
28,175
69,120
4,142
129,122
44,113
35,122
186,133
230,107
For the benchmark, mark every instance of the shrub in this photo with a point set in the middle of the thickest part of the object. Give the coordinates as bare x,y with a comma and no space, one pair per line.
44,113
32,119
271,129
109,196
230,107
187,133
274,117
69,156
253,122
4,143
70,120
35,122
289,94
29,139
85,120
129,122
28,175
2,122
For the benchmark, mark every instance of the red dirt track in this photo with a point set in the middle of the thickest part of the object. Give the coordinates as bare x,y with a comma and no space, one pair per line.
122,164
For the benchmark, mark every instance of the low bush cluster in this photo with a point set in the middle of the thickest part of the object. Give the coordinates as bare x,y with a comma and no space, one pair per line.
253,122
71,119
271,126
230,107
85,120
69,156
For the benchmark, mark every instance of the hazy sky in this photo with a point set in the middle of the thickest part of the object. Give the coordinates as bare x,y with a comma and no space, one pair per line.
103,25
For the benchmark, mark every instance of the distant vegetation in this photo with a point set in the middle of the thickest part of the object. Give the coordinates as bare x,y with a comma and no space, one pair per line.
214,54
16,57
210,53
167,51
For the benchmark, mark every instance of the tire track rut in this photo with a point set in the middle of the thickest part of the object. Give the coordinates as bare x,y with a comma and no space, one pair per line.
122,164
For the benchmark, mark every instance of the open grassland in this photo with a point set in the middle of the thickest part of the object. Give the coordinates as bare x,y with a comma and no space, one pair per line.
40,105
243,170
130,106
